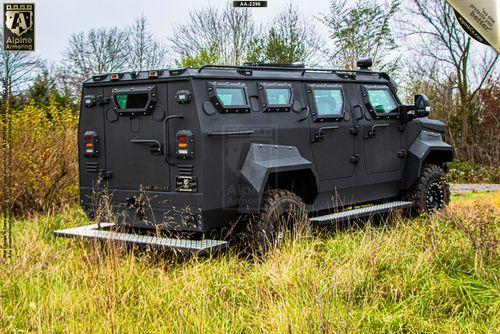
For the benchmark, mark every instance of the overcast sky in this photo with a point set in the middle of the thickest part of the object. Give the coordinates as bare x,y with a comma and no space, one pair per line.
56,20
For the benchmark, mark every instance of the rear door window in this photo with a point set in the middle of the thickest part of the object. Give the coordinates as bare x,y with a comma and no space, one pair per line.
329,102
278,96
132,101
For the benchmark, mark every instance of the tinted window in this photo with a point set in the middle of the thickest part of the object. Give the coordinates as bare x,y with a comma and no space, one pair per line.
132,101
278,96
382,100
231,96
329,102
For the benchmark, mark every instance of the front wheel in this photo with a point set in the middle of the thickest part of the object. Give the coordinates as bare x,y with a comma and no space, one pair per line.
431,192
283,215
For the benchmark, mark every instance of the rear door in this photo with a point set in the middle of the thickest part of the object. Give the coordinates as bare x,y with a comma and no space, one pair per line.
135,138
332,140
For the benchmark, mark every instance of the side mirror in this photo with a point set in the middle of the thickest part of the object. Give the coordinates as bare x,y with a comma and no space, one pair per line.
421,106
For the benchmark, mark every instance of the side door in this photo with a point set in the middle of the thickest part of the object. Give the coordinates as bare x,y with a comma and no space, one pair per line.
135,138
331,125
382,132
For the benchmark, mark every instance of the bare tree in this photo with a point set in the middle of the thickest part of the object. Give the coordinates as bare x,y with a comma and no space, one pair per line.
224,32
97,51
17,68
361,29
448,53
144,51
291,38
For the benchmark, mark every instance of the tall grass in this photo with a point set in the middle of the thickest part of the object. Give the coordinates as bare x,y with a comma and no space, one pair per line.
424,275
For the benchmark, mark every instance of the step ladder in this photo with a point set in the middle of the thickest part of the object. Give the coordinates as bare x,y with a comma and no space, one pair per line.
362,212
105,231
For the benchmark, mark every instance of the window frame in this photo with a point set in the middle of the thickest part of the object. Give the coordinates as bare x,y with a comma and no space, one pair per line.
263,86
221,108
369,106
310,88
146,110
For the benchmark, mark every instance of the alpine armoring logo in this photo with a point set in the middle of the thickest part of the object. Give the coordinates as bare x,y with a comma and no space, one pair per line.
19,27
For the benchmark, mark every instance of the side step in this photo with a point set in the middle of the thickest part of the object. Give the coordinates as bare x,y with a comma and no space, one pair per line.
105,234
361,212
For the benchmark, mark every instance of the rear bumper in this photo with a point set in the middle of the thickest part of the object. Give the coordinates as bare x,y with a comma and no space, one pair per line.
167,211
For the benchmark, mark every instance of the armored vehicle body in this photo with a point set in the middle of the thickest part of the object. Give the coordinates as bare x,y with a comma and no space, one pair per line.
193,150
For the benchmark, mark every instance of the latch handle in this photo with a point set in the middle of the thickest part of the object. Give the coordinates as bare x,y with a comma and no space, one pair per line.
319,134
371,131
154,146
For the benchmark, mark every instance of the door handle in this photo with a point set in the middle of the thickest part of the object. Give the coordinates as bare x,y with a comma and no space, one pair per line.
154,146
371,131
320,135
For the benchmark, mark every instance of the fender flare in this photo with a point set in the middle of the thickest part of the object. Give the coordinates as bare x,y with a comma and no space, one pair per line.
426,144
262,160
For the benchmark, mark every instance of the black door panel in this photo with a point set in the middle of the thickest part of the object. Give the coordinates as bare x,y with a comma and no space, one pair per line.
332,140
135,147
382,130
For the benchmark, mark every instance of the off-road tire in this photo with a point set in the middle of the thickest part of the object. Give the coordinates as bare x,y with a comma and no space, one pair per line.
283,215
431,191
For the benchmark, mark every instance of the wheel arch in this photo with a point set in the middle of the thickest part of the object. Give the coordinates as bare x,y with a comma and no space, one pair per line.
429,147
277,166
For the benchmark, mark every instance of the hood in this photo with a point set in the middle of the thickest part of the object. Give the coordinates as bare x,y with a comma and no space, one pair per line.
433,124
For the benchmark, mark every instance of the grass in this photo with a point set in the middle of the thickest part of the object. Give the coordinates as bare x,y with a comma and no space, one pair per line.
421,275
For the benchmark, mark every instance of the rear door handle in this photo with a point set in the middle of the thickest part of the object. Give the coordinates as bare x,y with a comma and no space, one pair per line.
154,145
320,135
371,131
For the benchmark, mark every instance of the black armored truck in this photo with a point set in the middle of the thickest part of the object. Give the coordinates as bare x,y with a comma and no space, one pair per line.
198,149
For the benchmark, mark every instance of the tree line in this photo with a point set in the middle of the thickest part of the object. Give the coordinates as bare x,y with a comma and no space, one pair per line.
419,43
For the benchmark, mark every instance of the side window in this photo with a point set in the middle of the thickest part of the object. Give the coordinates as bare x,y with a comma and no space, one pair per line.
278,96
329,102
382,100
275,96
231,97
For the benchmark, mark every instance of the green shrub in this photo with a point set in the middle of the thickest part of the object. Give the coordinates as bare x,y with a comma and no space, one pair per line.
467,172
44,157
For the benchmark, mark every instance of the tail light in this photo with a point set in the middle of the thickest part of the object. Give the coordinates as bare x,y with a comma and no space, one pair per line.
91,144
185,144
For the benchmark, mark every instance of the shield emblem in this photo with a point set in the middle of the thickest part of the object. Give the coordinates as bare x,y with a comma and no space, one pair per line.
19,21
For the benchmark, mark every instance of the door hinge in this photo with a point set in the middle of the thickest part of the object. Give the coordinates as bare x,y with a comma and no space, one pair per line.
402,154
103,100
354,130
354,158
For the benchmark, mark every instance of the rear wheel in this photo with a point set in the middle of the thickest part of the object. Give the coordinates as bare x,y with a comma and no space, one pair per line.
283,215
431,192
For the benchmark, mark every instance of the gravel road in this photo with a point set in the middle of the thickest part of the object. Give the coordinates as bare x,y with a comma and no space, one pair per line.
459,188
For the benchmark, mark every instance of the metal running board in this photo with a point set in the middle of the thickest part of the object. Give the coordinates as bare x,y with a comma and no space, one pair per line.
93,232
361,212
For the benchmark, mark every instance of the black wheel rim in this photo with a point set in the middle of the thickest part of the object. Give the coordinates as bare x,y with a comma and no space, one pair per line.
435,196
